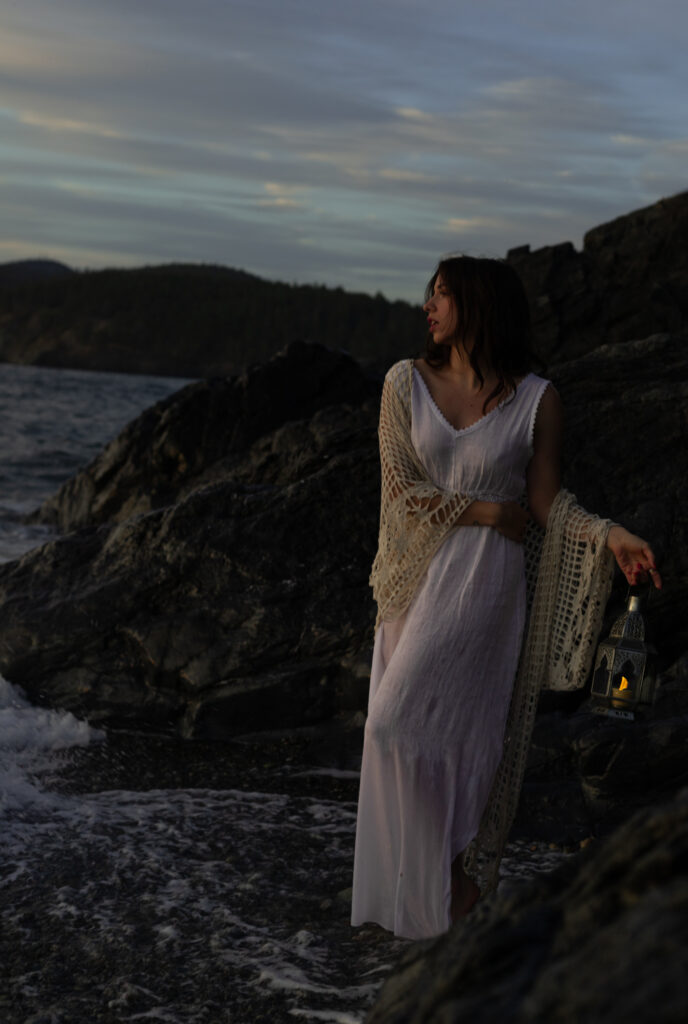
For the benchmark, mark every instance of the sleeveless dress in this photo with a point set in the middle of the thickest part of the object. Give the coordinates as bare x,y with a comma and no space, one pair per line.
442,676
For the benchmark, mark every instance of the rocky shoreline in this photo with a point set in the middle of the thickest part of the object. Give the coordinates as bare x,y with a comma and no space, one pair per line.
211,586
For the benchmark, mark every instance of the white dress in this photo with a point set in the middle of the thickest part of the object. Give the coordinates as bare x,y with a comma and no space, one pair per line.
442,676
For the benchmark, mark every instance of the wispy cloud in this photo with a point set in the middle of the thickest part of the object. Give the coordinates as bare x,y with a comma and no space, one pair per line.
414,114
282,197
461,225
63,124
399,174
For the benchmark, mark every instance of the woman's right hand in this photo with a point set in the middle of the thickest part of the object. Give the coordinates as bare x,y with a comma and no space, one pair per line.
511,519
506,517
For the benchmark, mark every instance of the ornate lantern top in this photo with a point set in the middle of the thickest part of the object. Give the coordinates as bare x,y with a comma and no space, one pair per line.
624,673
630,625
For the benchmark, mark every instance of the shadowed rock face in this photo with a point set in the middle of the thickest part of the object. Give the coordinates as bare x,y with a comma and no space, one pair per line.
605,938
626,456
235,608
629,281
241,602
587,773
204,432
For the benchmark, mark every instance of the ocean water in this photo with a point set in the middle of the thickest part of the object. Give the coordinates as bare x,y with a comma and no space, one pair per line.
52,422
142,878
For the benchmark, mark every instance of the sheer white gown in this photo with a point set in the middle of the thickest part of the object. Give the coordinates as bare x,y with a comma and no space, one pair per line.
441,678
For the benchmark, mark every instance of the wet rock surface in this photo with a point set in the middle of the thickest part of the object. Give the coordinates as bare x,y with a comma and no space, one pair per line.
603,938
237,608
242,601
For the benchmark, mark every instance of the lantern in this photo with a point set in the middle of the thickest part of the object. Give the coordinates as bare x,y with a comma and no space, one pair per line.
624,676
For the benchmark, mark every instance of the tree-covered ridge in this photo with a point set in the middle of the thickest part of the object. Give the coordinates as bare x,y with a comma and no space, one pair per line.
189,320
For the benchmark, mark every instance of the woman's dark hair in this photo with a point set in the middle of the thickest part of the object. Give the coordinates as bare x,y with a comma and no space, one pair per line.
493,319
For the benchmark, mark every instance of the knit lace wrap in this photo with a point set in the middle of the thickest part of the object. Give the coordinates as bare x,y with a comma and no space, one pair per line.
568,580
415,514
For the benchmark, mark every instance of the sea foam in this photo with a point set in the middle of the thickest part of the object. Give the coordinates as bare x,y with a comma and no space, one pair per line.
27,735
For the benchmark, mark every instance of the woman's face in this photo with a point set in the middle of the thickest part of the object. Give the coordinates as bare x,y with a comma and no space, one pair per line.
441,310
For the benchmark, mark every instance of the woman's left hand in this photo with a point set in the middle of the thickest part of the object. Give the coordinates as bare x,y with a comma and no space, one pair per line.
633,556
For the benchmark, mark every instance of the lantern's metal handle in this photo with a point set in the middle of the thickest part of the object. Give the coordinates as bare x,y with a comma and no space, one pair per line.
642,593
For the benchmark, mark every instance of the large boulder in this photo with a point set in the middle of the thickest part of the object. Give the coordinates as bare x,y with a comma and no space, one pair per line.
602,939
205,432
626,457
241,603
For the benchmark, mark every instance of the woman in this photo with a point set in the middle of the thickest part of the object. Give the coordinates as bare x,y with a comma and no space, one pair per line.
468,593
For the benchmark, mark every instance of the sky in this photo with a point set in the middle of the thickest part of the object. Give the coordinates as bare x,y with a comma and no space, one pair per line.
340,142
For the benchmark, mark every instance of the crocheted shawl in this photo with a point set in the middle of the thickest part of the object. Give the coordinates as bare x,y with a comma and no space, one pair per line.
568,579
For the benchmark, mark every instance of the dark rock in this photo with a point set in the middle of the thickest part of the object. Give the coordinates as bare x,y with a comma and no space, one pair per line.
587,773
203,432
243,605
604,938
626,457
237,608
629,281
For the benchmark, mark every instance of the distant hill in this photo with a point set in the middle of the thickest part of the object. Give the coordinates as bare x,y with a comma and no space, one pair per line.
629,280
30,271
187,320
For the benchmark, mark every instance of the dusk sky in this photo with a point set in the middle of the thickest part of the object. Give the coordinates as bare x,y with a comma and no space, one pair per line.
340,142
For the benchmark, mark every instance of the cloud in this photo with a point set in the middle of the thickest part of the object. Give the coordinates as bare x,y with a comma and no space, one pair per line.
282,197
63,124
162,128
398,174
461,225
413,114
276,188
281,203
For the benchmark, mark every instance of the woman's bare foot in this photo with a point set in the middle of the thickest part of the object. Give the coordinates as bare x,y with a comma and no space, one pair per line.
465,894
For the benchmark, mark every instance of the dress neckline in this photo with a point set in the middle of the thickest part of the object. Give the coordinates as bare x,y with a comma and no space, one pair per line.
481,419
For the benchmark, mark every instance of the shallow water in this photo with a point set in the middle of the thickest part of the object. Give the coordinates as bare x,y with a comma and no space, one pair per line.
174,904
131,892
144,878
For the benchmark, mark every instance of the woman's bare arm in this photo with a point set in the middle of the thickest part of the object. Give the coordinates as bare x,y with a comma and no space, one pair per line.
543,476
